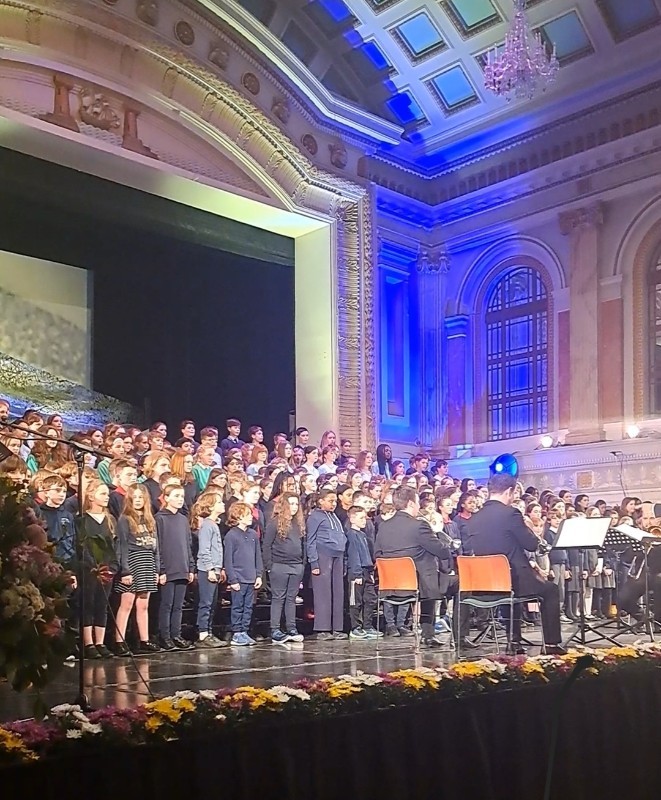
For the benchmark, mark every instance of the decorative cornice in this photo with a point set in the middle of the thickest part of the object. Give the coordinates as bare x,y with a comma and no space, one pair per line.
214,22
591,216
459,164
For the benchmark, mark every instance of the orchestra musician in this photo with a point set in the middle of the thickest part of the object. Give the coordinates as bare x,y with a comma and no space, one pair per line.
634,587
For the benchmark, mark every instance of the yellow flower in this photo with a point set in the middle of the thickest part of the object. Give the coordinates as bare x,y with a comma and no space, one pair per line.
416,679
468,669
184,704
533,668
622,652
166,708
342,689
11,743
153,723
252,697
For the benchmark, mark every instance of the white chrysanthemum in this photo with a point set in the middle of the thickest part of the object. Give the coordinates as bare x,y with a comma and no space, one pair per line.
491,666
74,733
64,709
207,694
186,695
361,679
290,692
78,715
220,717
91,727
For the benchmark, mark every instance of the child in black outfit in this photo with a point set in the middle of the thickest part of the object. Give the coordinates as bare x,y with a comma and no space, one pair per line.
362,592
244,567
176,566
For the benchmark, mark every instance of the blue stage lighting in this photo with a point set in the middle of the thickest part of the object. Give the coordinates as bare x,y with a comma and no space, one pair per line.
505,463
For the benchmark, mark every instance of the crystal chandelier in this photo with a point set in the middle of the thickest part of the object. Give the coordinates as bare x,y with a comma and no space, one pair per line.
523,66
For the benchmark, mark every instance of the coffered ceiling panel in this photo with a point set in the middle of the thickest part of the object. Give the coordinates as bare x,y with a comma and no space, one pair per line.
419,63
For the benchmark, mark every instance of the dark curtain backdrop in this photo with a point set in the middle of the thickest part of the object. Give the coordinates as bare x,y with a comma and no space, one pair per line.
179,323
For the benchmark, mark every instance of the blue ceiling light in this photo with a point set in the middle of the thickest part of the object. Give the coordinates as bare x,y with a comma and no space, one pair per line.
405,108
505,464
375,55
336,9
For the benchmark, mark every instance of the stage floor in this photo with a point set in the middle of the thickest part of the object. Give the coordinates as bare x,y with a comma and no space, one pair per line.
123,682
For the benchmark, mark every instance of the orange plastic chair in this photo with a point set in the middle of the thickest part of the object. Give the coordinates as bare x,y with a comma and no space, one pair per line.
398,575
484,574
489,575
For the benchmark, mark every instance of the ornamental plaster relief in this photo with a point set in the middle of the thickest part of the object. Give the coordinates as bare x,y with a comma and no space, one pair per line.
99,114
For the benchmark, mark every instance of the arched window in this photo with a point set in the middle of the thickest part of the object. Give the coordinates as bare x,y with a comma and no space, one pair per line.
517,355
654,338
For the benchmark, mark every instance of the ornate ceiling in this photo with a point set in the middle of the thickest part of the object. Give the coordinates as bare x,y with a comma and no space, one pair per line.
417,64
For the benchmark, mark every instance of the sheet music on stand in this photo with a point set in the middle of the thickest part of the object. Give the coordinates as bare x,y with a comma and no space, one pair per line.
582,533
625,536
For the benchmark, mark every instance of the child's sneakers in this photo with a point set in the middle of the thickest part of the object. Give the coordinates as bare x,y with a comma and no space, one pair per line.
358,633
372,633
278,637
241,640
294,635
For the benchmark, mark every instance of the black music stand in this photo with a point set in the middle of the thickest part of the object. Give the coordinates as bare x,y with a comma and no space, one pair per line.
581,534
641,542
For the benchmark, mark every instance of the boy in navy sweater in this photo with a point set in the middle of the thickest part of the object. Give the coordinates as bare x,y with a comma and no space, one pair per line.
231,441
362,592
59,521
244,567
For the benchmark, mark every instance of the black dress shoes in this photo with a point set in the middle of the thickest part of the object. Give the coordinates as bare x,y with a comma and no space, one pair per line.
148,647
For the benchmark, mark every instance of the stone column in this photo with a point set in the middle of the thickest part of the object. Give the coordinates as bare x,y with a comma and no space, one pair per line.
61,114
432,265
456,350
582,226
130,139
611,350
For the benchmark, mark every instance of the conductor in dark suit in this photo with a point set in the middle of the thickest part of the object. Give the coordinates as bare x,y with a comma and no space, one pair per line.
499,529
405,534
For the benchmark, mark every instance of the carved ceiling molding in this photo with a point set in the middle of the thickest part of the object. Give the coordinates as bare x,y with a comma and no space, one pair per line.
553,145
231,37
588,171
76,36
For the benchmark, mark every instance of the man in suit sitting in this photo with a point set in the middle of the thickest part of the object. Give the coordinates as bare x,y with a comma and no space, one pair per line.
405,534
499,529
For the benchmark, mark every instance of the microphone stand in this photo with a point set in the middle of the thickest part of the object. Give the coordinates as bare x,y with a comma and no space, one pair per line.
79,451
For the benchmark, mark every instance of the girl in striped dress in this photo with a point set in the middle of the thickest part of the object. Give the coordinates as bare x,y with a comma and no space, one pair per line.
137,552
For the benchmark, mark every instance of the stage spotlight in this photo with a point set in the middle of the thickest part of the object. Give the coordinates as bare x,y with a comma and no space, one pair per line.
546,441
505,463
632,431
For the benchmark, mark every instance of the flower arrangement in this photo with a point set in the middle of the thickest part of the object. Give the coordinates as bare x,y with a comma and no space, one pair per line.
33,598
197,714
